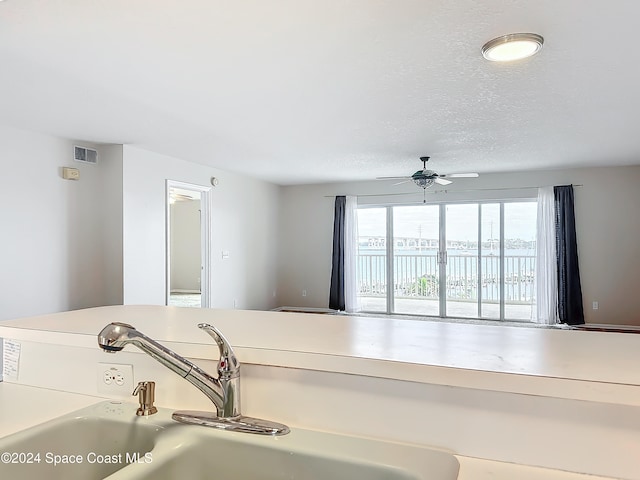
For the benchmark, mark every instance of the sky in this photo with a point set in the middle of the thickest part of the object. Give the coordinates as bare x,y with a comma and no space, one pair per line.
422,221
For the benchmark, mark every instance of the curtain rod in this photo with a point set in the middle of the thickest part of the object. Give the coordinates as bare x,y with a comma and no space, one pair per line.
435,192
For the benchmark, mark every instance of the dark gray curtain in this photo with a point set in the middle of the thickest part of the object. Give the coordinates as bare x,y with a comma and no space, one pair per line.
336,292
570,309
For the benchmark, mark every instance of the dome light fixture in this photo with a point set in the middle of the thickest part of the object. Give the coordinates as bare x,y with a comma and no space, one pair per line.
514,46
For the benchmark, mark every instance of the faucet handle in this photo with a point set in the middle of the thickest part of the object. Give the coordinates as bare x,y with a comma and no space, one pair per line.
228,365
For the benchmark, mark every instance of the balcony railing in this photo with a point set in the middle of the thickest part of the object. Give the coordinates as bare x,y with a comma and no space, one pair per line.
417,276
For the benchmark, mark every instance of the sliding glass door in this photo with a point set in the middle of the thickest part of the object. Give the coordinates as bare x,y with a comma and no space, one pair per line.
372,259
463,260
490,261
416,244
519,259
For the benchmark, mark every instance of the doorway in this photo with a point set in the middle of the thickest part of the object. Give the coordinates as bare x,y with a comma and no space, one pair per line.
187,244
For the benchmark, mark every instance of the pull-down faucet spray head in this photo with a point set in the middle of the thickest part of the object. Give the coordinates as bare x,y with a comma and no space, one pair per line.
115,336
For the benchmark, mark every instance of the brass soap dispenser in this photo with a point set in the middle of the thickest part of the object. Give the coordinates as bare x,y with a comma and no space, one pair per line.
146,392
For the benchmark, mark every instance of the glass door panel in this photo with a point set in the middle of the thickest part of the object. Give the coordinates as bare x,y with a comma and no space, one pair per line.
519,258
462,260
490,271
372,259
416,242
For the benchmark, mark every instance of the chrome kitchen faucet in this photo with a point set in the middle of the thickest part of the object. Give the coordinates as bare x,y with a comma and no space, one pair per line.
223,391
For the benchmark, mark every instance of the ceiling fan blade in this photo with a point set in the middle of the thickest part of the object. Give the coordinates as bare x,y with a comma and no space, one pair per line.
461,175
400,183
393,178
442,181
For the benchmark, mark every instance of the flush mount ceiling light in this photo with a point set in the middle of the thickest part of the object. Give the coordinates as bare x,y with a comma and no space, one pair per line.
514,46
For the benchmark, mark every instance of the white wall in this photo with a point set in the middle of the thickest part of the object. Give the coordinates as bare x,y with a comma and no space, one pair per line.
185,246
112,214
53,234
244,223
101,240
606,222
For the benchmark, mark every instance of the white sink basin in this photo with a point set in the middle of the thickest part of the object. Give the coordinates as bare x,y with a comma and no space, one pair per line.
91,444
112,442
300,455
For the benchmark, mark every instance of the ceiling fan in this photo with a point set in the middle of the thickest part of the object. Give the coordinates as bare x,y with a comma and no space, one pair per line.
425,178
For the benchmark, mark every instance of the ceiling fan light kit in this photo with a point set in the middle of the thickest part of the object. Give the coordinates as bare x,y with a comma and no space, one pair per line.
426,178
423,182
511,47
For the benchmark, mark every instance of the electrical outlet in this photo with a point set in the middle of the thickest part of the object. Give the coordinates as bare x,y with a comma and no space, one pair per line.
595,305
304,293
114,379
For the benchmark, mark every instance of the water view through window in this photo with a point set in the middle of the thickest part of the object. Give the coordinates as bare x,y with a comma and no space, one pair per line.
465,260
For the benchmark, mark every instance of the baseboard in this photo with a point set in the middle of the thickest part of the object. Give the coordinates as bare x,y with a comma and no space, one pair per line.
305,310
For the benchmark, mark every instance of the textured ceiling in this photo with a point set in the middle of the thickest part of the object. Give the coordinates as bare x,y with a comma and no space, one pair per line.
305,91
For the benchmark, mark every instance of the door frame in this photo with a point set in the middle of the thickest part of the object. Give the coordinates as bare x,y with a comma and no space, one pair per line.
205,239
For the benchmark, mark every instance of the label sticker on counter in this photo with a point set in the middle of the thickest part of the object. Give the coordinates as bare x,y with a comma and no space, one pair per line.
10,358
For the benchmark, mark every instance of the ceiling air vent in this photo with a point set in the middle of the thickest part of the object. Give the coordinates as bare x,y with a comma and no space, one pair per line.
86,155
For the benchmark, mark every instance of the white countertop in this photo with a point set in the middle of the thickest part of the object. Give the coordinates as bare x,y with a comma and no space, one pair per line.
22,407
569,364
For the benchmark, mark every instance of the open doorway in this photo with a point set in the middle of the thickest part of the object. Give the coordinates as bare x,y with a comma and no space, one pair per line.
187,245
